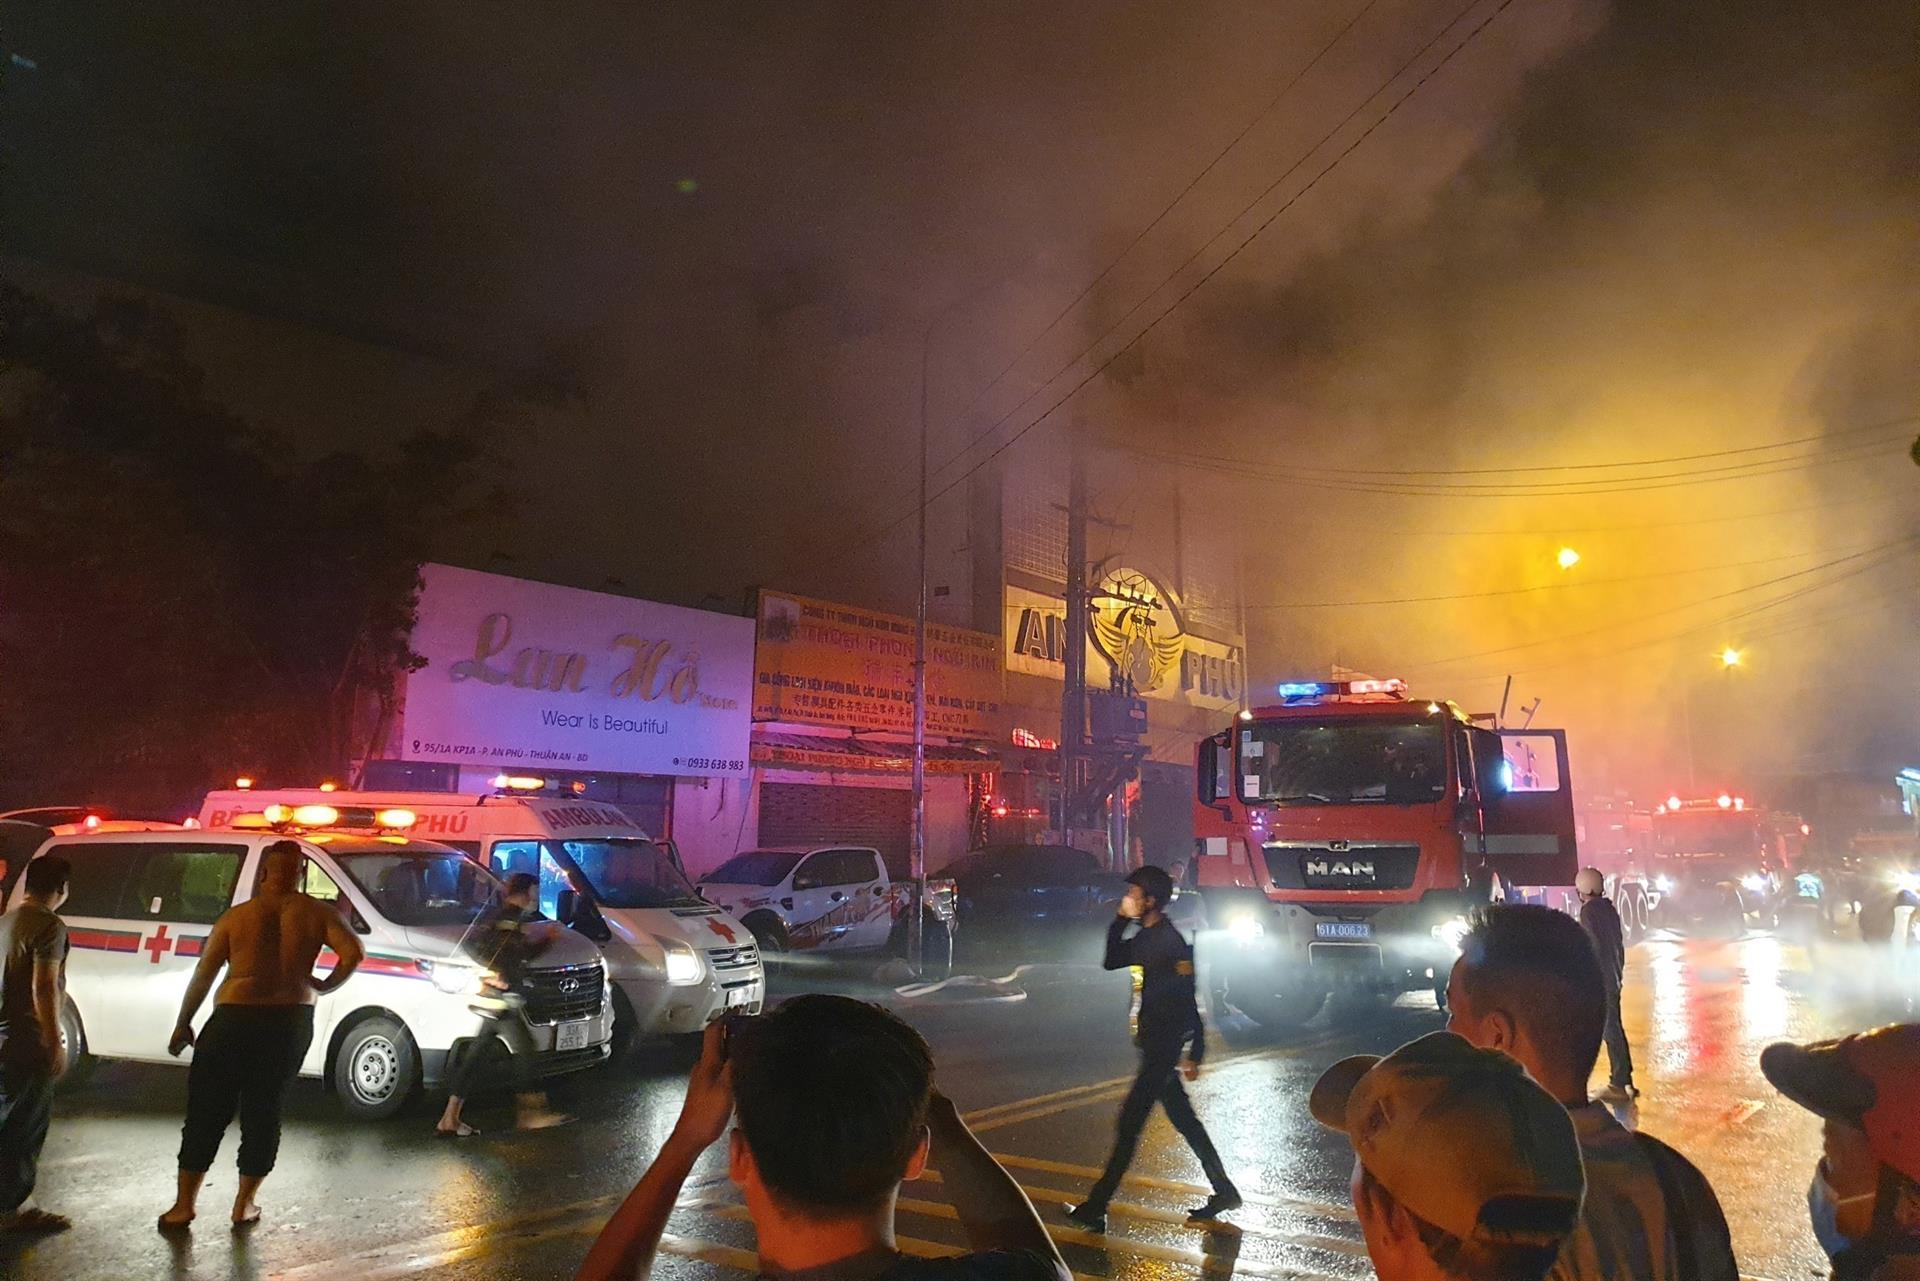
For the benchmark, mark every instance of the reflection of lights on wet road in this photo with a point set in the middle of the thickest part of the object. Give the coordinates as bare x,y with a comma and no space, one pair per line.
1671,1028
1764,1007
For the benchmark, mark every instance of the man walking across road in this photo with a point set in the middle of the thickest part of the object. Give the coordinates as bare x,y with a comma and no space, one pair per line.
33,987
261,1026
1601,920
837,1108
1527,983
1172,1040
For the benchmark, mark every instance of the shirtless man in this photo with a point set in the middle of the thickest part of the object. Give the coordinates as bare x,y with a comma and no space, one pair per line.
261,1025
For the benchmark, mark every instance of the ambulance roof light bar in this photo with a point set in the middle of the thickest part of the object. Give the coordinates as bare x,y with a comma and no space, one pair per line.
1294,693
290,818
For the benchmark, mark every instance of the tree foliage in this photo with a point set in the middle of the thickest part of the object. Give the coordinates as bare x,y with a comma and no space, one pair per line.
182,598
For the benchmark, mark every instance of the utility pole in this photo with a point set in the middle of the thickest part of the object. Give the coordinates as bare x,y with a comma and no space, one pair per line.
917,865
1073,694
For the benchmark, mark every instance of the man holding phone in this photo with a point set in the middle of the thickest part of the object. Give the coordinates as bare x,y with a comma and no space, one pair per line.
819,1177
1172,1040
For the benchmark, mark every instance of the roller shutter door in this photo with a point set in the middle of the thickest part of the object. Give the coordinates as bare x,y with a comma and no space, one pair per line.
807,814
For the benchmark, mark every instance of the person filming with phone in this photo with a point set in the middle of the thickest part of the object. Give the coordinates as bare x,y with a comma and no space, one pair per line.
821,1179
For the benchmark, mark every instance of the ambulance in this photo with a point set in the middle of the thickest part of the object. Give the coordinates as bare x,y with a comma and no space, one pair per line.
143,898
677,961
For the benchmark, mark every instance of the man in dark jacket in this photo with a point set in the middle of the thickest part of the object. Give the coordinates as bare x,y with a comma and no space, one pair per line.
1602,922
1172,1041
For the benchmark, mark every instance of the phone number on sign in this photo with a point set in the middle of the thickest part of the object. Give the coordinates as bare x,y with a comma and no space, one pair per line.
710,763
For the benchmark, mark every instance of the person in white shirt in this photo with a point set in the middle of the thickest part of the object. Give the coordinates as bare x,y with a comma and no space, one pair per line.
1529,982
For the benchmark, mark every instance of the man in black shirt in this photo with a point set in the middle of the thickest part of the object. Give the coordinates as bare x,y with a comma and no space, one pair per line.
1172,1041
1602,923
836,1109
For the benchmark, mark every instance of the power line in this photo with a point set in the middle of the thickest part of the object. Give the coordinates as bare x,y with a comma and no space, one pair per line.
1865,452
1087,290
1820,439
1543,587
1880,550
1075,390
1812,619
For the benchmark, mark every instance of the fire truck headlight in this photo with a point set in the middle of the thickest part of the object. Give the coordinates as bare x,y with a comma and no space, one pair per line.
1754,883
1246,927
1906,882
684,966
1664,884
1453,931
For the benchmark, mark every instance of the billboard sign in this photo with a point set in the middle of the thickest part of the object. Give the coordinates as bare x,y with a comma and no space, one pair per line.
535,676
818,663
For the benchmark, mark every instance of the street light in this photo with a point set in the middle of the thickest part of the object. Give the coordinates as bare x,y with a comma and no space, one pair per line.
1568,558
1731,657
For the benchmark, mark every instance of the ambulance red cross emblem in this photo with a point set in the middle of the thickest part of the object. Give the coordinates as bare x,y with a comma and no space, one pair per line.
721,928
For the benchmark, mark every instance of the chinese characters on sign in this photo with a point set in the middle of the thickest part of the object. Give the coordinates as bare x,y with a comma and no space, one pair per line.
818,663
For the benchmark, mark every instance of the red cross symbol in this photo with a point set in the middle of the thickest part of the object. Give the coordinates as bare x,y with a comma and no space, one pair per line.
721,928
159,945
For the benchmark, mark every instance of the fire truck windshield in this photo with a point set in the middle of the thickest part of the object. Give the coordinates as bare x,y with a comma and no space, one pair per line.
1712,834
1350,761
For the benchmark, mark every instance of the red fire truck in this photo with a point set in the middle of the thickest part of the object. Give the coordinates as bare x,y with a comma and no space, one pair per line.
1343,834
1712,862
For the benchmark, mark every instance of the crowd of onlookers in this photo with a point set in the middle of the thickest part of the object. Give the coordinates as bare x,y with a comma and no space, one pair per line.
1479,1155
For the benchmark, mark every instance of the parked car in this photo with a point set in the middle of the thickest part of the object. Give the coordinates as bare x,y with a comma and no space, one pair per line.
835,898
1025,902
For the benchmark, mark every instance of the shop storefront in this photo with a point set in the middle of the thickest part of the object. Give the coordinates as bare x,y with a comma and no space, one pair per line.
832,751
1190,677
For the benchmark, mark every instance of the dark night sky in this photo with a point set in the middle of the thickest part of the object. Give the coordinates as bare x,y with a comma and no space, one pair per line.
1601,232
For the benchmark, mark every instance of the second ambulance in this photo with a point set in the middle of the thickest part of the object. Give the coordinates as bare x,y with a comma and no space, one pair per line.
677,961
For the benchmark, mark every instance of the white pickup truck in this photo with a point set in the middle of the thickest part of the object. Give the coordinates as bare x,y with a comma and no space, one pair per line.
833,898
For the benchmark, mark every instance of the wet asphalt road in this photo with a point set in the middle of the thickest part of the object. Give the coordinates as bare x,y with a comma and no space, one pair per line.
1040,1077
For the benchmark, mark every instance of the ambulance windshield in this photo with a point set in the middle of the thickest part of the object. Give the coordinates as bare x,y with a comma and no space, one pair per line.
629,872
439,887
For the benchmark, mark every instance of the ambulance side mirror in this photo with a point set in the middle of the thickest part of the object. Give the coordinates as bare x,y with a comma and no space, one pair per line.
566,906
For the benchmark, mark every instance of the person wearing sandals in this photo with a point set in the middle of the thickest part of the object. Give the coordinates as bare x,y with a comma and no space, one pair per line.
262,1023
505,940
33,978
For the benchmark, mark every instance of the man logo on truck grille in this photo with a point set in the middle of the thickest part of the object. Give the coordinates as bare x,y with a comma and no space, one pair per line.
1353,871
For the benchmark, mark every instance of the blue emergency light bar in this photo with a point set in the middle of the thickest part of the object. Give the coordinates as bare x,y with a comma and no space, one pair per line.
1314,691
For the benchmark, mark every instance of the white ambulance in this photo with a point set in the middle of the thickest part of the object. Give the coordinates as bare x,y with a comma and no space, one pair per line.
677,961
142,903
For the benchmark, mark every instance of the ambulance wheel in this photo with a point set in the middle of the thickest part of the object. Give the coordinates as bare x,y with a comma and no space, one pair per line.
80,1064
768,933
376,1068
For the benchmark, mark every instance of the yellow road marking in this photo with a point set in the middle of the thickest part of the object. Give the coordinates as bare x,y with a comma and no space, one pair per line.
1321,1208
1019,1104
1053,1109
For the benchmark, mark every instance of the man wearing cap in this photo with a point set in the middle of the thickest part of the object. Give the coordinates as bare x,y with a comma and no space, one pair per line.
1528,984
1172,1041
1465,1169
1865,1195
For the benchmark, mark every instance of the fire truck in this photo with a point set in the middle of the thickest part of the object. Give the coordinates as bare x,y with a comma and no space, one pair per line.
1714,863
1344,833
